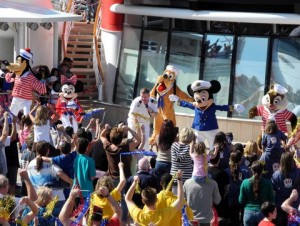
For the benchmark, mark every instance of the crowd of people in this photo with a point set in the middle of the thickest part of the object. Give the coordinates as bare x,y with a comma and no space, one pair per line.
105,174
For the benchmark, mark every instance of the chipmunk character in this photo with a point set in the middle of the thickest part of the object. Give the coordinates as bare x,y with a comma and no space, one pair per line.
24,82
67,105
274,107
205,121
165,86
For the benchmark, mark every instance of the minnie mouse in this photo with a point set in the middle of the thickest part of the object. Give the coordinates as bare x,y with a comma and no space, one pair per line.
67,105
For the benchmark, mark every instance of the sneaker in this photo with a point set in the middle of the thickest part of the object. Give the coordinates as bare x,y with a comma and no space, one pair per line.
88,21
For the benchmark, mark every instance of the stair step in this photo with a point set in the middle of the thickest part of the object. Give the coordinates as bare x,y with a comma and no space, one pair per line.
81,37
82,30
84,44
81,63
83,24
83,71
74,49
79,55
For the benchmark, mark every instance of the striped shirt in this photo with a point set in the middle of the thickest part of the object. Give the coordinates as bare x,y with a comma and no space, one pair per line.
280,117
25,85
181,160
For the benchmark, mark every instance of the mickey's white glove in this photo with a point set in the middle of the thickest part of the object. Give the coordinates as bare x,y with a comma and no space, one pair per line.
239,108
173,98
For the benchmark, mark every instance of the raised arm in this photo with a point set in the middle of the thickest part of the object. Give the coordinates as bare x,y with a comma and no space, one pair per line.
104,133
5,128
34,210
215,152
141,132
130,192
287,204
136,141
32,118
13,135
55,113
92,121
66,211
30,189
179,201
114,205
122,177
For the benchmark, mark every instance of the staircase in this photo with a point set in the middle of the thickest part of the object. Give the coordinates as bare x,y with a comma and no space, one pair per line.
80,49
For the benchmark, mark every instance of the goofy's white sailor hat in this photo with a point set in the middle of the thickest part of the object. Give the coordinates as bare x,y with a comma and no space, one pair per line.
26,53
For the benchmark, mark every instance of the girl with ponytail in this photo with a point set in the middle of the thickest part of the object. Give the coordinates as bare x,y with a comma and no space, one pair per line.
42,173
232,192
253,193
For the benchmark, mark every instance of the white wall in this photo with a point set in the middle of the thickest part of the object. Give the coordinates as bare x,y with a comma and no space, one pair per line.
41,45
7,48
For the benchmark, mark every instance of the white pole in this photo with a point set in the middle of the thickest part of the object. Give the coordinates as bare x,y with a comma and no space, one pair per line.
55,44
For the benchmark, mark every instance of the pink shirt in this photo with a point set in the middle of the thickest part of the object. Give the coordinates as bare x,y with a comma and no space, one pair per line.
199,165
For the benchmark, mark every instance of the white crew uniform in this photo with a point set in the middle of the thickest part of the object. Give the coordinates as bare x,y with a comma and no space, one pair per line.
139,111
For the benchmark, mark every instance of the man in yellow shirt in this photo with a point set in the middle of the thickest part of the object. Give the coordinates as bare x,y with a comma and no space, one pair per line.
166,197
150,215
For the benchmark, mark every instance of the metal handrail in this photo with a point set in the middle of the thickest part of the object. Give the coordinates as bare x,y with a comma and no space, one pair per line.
96,55
67,27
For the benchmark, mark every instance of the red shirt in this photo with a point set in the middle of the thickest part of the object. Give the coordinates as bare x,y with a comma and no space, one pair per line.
280,117
265,223
114,222
25,84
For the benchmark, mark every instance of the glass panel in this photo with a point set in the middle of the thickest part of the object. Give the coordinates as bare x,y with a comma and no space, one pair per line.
185,52
134,20
285,69
189,25
250,69
128,64
218,65
156,22
153,57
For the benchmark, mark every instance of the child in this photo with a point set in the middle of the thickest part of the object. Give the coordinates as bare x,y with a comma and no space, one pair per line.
65,161
201,159
42,122
115,192
269,211
251,152
272,150
44,197
23,133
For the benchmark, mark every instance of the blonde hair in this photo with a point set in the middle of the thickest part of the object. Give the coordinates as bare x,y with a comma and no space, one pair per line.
186,135
105,181
41,116
44,196
251,148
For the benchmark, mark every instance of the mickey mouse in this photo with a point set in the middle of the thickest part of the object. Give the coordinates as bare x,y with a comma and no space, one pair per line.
205,122
67,105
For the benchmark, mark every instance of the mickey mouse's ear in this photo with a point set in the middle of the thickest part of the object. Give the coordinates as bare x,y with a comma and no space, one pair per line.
56,86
